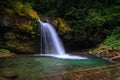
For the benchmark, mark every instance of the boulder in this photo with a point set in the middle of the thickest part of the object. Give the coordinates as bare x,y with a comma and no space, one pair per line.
61,25
9,75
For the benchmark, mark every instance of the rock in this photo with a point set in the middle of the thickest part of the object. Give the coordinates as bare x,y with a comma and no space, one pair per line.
6,55
9,75
18,29
61,25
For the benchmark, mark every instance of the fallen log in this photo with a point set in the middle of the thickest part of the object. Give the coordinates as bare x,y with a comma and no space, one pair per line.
115,57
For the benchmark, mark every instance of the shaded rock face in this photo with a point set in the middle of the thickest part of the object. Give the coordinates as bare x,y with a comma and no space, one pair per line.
78,40
18,42
18,32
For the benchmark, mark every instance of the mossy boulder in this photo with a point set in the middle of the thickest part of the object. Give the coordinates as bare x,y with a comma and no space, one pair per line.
22,10
18,15
6,53
61,25
18,27
25,27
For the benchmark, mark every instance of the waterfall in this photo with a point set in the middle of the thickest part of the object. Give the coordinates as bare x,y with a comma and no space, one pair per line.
51,44
50,39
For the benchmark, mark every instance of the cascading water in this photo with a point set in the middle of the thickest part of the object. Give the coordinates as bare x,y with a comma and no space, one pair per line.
52,45
51,41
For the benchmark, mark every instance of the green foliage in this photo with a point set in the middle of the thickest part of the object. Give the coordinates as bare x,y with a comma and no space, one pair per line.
26,9
4,51
28,4
18,7
23,10
112,14
114,39
25,27
95,18
89,19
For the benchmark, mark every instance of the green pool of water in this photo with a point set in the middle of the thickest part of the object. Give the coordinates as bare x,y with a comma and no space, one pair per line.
31,68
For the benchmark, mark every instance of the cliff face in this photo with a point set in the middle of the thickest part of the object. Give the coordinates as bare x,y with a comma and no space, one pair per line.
17,27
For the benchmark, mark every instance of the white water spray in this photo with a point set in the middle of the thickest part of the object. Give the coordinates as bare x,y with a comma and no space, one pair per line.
52,45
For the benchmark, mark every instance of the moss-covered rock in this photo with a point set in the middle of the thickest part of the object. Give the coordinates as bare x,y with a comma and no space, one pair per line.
110,47
18,27
108,52
6,53
25,27
18,15
61,25
16,7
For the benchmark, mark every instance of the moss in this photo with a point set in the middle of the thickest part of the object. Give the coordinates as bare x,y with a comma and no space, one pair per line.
30,13
18,7
21,46
9,11
61,25
27,12
22,10
23,15
20,15
25,27
4,51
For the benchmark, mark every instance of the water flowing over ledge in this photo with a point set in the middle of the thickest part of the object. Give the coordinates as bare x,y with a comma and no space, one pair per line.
51,44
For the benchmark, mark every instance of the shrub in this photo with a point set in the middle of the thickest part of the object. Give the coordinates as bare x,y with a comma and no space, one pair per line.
114,39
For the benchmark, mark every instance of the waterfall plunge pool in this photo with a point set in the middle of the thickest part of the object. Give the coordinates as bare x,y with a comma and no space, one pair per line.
34,67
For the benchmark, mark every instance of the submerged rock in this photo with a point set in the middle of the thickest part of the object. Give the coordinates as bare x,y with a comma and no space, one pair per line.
9,75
